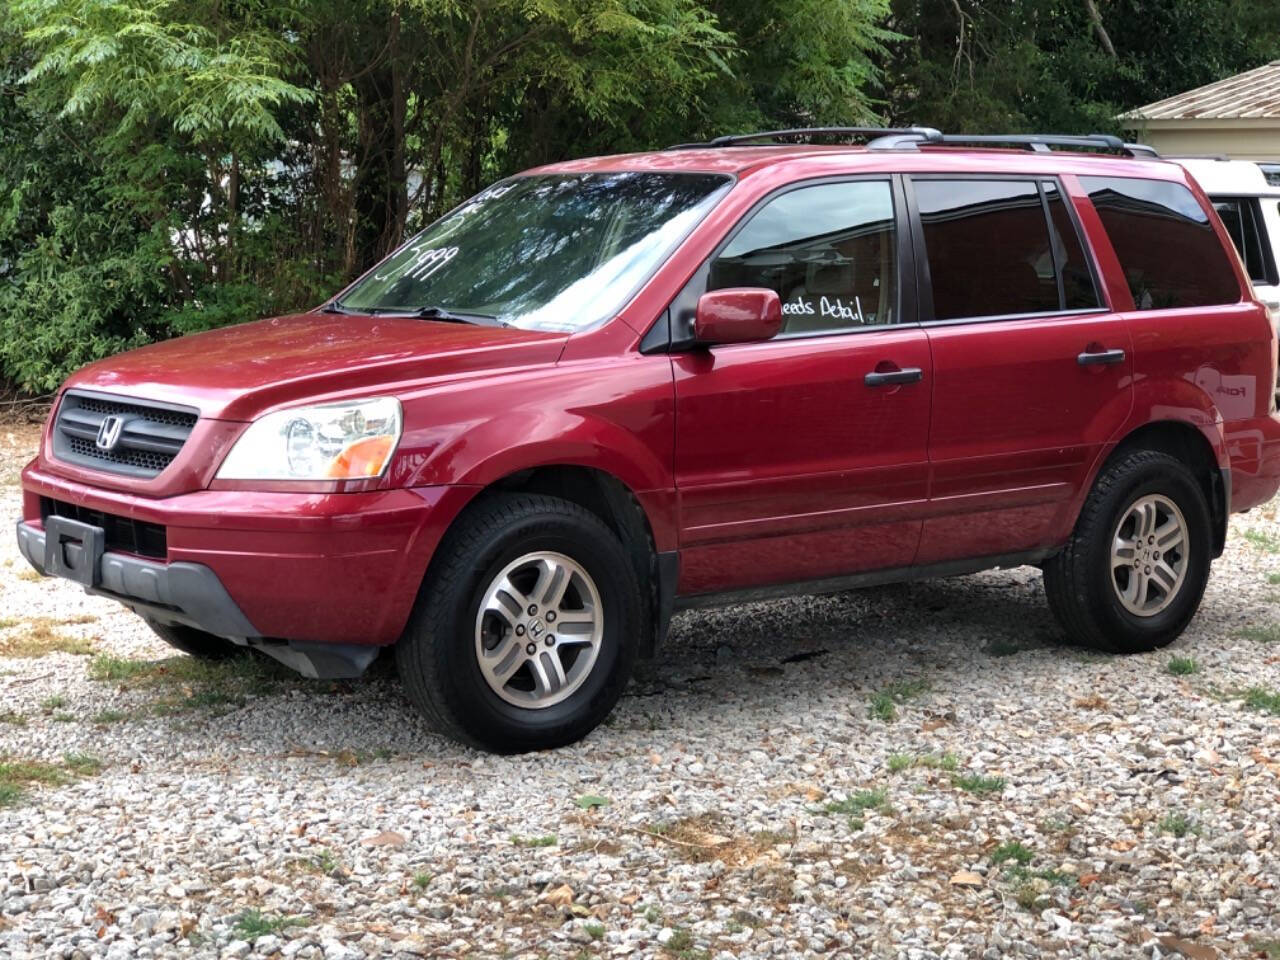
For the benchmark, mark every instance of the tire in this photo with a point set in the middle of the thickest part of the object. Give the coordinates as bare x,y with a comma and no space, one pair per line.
1094,595
196,643
462,619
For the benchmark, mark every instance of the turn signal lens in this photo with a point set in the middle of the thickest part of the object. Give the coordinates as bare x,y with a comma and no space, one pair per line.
364,458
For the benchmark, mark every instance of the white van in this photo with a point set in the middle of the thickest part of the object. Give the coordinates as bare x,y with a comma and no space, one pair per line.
1250,209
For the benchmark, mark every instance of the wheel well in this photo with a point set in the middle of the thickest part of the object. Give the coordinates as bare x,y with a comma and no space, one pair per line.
613,502
1185,442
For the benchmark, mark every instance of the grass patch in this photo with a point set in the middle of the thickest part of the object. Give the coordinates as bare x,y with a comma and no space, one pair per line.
860,802
1182,666
978,784
547,841
884,702
16,775
681,946
12,718
1273,579
1267,633
901,761
253,924
1012,851
41,639
108,717
53,703
1263,540
589,801
1178,824
64,718
182,684
1262,699
421,880
325,862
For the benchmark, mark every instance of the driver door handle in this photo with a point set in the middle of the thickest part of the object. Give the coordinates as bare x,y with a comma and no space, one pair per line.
887,377
1100,357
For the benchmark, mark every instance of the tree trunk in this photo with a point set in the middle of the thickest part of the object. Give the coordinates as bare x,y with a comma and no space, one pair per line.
381,200
1103,37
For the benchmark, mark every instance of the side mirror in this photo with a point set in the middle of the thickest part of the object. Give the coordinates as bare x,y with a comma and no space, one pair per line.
737,315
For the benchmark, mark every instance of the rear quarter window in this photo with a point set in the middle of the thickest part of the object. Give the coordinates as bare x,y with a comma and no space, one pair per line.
1167,247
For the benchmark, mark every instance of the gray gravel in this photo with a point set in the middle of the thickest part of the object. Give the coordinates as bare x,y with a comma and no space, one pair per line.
741,773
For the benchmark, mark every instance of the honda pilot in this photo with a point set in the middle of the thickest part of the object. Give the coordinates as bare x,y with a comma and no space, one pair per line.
605,390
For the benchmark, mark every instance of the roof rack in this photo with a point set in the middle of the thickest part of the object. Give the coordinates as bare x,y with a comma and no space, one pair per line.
874,134
912,138
1041,143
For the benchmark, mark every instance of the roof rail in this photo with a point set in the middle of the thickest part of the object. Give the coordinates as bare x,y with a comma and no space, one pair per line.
912,138
874,134
1041,143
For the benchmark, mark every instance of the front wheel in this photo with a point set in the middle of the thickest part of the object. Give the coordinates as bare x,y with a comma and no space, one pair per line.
1132,575
526,628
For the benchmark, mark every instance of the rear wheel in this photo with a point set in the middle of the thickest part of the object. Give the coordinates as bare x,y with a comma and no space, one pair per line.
1132,575
527,626
197,643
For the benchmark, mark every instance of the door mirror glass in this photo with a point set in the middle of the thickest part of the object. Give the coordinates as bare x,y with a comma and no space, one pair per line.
738,315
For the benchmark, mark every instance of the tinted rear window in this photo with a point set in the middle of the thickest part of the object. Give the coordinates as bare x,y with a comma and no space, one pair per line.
989,248
1241,217
1169,251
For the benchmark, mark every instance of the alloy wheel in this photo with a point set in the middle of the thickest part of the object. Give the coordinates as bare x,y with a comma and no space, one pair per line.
539,630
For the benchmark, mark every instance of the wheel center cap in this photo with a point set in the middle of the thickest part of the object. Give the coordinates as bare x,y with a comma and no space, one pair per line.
536,629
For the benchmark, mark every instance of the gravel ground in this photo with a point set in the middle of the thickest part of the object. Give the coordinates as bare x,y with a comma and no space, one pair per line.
917,771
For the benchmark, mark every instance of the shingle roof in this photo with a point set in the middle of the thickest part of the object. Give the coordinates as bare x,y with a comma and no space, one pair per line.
1254,94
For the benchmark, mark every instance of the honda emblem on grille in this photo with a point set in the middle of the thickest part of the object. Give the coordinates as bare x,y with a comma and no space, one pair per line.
109,432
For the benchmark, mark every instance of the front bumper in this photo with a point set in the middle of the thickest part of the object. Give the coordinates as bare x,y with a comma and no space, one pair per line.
307,568
184,593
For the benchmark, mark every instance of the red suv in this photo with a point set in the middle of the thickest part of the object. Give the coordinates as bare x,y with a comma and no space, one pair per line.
607,389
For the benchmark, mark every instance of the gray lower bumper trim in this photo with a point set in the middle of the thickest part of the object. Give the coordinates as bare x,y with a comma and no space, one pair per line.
191,594
185,593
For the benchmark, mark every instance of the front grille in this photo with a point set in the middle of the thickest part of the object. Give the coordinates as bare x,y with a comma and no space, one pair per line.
122,534
149,434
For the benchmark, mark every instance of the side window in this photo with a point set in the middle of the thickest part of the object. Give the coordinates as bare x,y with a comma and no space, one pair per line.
1167,247
1078,291
830,251
989,248
1240,216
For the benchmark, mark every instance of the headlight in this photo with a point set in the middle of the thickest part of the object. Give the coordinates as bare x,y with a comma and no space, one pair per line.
335,441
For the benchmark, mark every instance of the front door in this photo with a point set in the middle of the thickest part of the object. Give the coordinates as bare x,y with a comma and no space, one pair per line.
804,457
1032,373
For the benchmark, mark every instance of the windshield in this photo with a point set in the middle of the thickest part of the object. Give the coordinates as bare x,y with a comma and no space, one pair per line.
553,252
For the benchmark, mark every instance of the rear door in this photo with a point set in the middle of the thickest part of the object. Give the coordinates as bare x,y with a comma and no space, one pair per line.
804,457
1032,372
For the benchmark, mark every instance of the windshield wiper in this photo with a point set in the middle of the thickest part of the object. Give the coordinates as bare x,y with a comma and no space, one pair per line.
448,316
333,306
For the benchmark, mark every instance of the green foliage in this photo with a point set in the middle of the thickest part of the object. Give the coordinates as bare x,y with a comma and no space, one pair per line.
1182,666
979,784
169,166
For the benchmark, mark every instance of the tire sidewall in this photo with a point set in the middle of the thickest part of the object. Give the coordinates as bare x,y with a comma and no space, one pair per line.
505,726
1170,479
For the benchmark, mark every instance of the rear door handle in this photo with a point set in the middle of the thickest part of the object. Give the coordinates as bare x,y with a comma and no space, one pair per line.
1106,358
887,377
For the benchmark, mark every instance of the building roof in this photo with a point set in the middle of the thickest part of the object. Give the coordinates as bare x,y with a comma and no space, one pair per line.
1252,95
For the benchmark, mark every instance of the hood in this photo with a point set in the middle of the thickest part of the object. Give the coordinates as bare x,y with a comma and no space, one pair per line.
236,373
